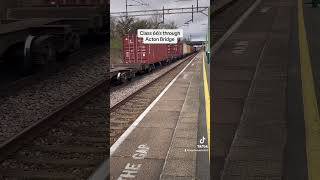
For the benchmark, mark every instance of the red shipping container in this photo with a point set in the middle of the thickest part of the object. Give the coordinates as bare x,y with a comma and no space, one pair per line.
135,52
173,50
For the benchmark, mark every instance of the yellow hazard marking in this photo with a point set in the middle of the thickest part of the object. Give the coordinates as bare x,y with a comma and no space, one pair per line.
207,99
311,111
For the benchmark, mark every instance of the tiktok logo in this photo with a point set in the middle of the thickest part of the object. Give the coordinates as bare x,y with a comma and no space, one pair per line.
202,144
202,140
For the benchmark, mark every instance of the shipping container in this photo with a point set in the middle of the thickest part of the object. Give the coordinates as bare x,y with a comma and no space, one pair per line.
135,52
180,50
187,49
173,51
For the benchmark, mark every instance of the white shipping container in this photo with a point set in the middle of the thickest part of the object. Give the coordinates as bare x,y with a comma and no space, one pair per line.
185,48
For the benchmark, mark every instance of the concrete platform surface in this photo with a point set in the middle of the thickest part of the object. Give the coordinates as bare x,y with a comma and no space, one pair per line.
157,147
249,88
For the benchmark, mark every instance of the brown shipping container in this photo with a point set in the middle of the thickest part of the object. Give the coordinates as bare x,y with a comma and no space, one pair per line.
180,49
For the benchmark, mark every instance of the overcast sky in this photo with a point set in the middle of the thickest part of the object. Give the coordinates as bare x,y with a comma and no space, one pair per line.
197,29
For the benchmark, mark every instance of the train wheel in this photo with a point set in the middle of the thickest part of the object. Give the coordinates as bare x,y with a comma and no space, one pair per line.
16,59
149,69
26,66
76,43
44,56
131,76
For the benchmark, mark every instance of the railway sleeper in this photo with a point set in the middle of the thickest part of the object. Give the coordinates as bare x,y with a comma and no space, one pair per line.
76,139
69,149
57,162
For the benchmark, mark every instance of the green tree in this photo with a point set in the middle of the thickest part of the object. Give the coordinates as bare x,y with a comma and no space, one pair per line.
128,25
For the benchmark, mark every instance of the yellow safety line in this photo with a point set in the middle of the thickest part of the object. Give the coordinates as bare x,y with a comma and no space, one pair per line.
207,99
311,112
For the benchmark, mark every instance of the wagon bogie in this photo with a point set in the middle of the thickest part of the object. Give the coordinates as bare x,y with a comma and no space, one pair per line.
42,33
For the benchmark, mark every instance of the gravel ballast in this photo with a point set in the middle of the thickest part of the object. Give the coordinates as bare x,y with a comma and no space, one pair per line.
42,98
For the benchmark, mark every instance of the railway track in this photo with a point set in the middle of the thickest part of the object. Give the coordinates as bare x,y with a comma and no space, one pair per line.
120,92
126,111
10,85
68,144
72,142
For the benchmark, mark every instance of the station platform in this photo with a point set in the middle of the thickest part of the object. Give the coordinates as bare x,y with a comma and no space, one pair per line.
265,82
169,139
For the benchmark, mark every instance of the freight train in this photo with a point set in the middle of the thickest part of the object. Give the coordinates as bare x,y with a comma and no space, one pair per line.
139,57
150,55
34,36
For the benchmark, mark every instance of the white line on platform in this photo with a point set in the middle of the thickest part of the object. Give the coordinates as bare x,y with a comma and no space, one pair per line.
115,146
234,27
102,172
